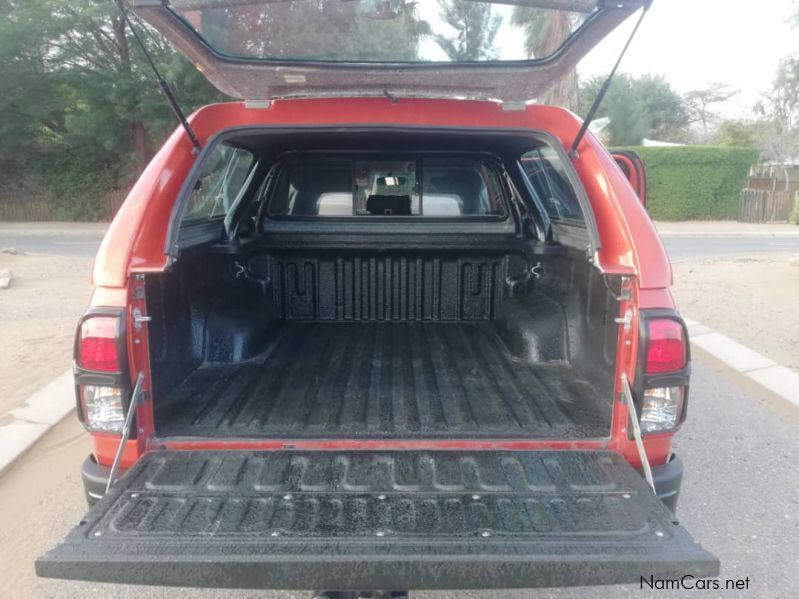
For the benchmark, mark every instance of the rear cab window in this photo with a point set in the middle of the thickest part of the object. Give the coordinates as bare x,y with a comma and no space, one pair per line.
443,187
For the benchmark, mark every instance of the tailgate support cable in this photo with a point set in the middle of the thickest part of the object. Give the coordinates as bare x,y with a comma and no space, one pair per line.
639,443
600,95
135,399
165,89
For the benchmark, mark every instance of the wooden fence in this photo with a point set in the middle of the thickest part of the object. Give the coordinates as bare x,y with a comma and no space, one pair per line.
42,210
761,206
767,184
113,202
26,211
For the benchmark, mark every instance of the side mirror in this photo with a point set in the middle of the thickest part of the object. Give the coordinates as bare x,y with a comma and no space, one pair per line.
633,168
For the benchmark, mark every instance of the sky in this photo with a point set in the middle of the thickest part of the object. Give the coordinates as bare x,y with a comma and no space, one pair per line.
696,42
690,42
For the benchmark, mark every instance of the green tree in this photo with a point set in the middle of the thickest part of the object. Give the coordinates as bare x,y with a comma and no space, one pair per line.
638,107
741,133
80,112
30,104
475,29
630,121
780,109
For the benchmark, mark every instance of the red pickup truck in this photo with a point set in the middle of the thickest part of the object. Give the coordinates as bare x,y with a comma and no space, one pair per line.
385,323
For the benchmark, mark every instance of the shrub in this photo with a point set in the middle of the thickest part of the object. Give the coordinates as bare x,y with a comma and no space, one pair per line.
76,183
695,182
794,217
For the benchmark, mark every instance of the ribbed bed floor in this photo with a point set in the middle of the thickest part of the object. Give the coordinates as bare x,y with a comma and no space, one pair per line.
379,380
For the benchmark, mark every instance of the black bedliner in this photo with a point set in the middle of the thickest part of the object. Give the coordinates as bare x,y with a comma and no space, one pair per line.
371,379
364,520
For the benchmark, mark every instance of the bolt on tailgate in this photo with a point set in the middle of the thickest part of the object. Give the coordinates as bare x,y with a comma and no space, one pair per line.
376,520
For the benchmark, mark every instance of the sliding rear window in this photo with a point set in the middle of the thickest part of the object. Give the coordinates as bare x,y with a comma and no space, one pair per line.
388,187
223,178
550,183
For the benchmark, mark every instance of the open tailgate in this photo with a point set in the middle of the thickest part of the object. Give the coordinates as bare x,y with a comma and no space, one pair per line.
365,520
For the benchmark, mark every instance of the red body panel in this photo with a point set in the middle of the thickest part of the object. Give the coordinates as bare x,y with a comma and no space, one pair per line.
135,241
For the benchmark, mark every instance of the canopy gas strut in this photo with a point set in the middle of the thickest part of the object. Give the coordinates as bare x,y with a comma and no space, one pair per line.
165,89
639,442
603,90
135,399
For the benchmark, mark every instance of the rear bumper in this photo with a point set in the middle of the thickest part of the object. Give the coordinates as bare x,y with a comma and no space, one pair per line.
668,478
95,479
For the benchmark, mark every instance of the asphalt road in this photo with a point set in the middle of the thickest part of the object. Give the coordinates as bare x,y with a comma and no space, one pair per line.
83,240
692,247
739,499
68,240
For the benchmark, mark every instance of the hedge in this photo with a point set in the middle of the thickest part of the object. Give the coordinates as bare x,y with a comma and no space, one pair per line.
695,182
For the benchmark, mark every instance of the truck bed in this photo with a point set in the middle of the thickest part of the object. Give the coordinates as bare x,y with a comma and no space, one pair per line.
380,380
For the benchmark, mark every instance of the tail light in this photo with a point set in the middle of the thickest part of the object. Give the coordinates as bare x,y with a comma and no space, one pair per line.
662,381
102,408
98,340
100,372
661,409
666,349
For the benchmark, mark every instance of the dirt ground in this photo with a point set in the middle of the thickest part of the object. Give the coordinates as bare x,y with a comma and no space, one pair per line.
753,299
41,497
38,313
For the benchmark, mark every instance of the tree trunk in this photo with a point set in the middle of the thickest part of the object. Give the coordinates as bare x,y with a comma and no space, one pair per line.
141,142
564,92
138,133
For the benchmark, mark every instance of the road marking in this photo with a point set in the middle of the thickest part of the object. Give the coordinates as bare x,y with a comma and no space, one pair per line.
753,366
18,437
785,244
75,242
